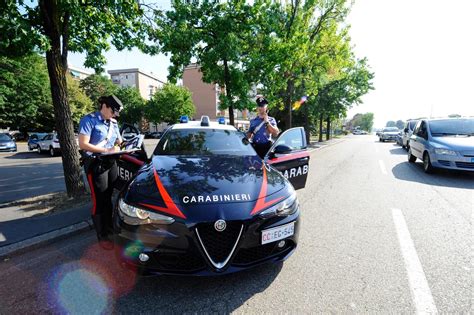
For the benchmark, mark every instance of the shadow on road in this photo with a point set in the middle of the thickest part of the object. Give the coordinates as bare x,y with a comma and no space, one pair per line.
28,155
398,151
445,178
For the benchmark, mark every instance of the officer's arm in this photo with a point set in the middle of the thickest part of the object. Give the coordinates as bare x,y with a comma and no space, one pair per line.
85,145
272,129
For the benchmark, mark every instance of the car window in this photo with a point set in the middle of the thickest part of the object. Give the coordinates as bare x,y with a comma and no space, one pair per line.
293,139
412,124
390,129
422,130
203,142
452,127
5,137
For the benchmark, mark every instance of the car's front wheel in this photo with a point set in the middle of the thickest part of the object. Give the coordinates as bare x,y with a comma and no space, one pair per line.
38,149
427,166
411,157
51,151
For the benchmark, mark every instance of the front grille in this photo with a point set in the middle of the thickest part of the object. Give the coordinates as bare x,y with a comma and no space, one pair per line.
178,262
468,153
219,245
247,256
444,162
465,165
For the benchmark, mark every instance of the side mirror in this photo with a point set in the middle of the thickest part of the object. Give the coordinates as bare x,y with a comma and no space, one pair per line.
282,149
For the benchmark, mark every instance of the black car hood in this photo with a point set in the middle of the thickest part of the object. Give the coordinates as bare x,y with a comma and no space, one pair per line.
207,187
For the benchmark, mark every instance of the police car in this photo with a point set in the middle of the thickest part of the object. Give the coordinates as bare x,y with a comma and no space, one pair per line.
206,204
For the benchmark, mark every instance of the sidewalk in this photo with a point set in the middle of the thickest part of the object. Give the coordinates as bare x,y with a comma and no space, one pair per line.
21,233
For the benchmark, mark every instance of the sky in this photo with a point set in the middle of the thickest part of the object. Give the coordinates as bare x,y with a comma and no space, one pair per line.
421,51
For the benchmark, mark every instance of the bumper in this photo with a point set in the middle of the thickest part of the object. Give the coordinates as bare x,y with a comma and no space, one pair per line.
13,149
176,249
453,163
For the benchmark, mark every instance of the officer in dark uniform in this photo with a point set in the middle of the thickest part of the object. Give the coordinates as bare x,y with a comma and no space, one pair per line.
262,128
98,134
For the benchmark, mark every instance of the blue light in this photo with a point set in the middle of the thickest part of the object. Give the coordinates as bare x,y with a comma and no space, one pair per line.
183,119
221,120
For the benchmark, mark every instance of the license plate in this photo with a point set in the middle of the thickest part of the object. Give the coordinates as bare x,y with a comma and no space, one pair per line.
278,233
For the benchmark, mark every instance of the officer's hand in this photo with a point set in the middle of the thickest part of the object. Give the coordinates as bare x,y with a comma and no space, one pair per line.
110,150
265,117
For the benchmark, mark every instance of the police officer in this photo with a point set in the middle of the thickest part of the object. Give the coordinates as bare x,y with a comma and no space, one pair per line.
98,134
262,128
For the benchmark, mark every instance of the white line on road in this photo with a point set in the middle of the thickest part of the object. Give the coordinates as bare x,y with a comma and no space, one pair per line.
420,290
382,167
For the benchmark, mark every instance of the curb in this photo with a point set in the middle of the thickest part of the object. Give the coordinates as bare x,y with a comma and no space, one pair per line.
45,238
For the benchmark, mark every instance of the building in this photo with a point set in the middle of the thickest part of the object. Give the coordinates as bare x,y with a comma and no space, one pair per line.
78,73
206,97
146,83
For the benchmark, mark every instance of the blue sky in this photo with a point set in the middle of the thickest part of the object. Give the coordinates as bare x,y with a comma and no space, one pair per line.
420,50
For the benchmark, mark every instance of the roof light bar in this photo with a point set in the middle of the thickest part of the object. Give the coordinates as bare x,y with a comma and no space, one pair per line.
205,121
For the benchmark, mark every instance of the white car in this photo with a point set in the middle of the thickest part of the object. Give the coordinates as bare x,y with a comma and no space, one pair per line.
49,143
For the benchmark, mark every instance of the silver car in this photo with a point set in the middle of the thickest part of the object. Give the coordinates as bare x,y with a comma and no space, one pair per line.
389,133
443,143
407,132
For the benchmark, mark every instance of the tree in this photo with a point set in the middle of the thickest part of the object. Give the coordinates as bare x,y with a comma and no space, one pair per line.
25,97
133,105
97,85
367,122
57,27
80,104
169,103
400,124
217,35
391,123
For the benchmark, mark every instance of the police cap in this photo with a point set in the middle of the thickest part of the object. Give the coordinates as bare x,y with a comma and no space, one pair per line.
261,101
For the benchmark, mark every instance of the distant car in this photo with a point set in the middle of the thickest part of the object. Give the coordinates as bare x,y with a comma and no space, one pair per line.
153,135
49,143
33,140
388,134
356,132
363,132
7,143
443,143
407,132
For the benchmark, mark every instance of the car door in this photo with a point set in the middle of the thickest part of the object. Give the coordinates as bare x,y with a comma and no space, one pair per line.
289,155
418,140
129,163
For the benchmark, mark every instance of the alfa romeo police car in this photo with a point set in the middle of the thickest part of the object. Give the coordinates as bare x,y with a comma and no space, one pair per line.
205,203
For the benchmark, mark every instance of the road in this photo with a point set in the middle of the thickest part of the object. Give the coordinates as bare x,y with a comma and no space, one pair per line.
377,235
26,174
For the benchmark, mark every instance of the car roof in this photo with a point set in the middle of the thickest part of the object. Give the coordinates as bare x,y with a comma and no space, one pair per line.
196,124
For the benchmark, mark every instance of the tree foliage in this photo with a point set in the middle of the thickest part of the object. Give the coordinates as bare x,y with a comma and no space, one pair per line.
97,85
364,121
391,123
80,104
169,103
133,105
400,124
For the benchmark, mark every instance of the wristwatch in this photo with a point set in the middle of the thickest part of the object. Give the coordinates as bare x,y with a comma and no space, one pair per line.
266,124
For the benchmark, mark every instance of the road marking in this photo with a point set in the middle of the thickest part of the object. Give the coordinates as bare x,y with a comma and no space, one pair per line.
382,167
420,290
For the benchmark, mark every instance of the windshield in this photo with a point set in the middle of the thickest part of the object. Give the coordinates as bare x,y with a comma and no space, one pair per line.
390,129
412,124
452,127
203,142
5,137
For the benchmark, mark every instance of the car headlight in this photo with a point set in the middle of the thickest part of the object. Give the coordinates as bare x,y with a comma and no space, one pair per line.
136,216
445,152
10,145
282,209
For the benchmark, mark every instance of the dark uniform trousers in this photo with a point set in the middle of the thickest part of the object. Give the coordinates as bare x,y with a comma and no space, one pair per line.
101,176
262,148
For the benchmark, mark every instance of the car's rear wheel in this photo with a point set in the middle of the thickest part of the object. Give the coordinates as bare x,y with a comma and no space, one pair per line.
380,139
411,157
38,149
427,167
51,151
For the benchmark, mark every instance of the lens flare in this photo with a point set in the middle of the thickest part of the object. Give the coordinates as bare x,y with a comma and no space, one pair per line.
297,104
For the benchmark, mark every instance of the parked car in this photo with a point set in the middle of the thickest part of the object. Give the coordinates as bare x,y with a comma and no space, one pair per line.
443,143
407,132
7,143
388,133
33,140
399,138
363,132
153,135
356,132
49,143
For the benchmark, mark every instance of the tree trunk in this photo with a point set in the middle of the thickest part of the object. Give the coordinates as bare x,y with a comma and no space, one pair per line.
321,119
57,67
328,128
228,92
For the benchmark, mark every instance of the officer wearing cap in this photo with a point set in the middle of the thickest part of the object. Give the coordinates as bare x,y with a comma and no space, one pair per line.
262,128
99,134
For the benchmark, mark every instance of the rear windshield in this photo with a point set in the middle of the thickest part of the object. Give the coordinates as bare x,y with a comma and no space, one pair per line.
5,137
203,142
452,127
390,129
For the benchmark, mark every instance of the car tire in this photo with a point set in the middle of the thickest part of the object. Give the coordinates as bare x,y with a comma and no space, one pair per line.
38,149
427,167
380,139
30,148
411,157
51,152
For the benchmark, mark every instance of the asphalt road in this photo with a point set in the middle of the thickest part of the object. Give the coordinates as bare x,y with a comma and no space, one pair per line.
377,235
26,174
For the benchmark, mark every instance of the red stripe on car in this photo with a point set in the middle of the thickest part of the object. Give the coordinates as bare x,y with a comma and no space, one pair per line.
288,157
132,159
261,204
